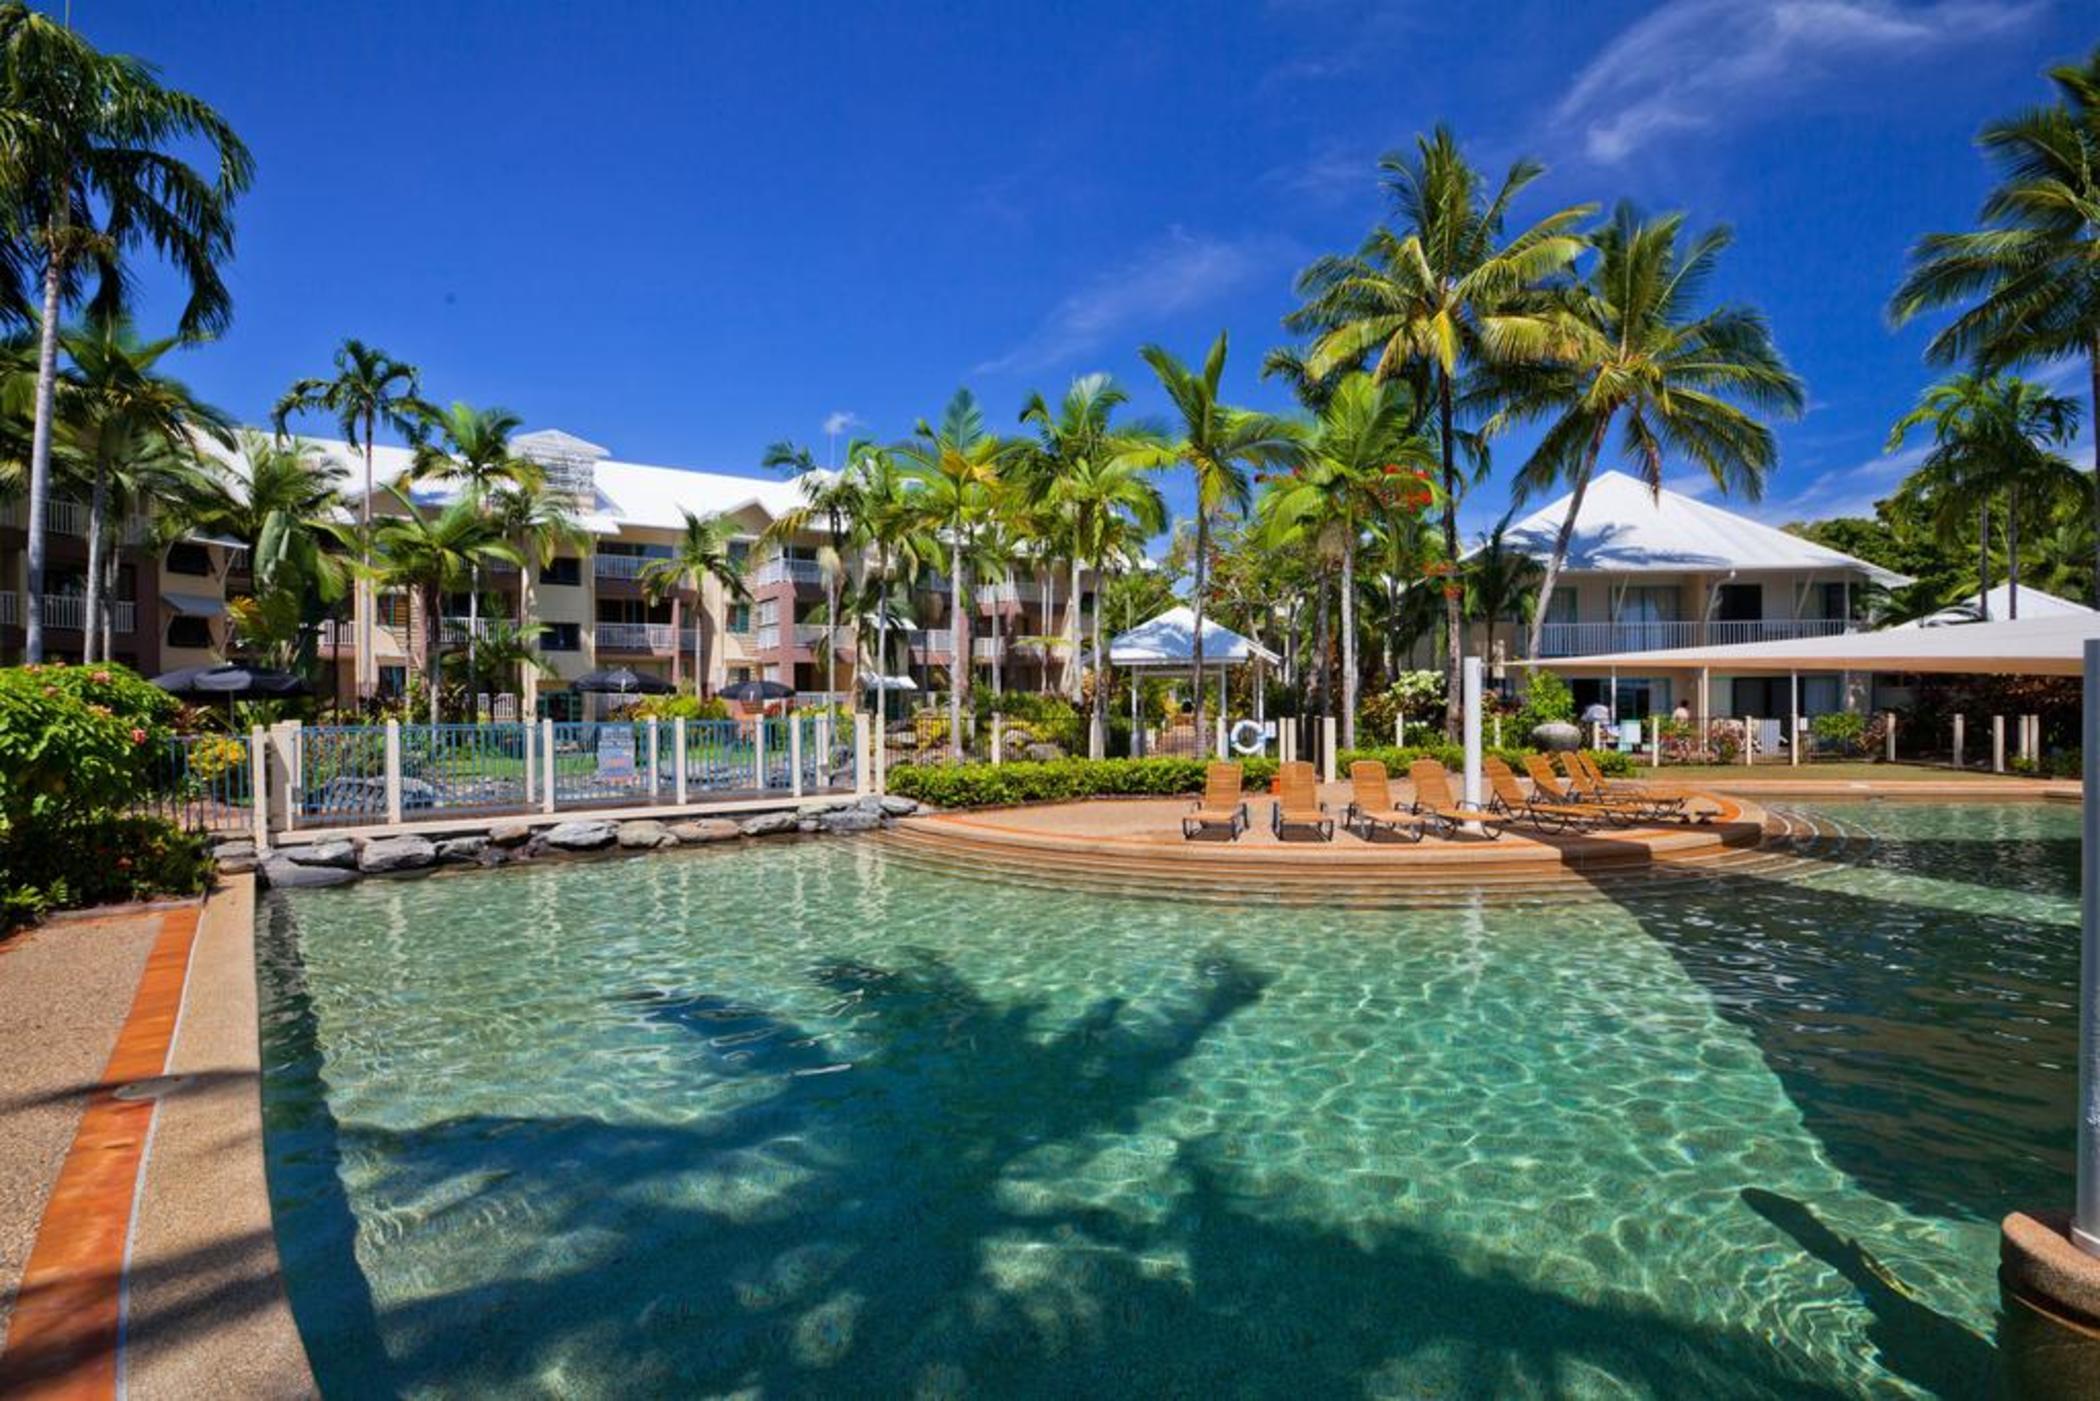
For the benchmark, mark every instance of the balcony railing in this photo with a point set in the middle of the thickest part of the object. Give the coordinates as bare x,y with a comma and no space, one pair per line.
69,610
1598,639
65,516
929,639
785,571
618,566
655,639
455,629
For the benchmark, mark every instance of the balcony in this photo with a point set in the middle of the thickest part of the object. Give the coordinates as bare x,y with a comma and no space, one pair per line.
929,639
651,639
69,610
618,566
786,571
454,630
1599,639
65,516
769,635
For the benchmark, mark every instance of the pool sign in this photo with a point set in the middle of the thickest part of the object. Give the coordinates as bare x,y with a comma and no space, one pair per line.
616,751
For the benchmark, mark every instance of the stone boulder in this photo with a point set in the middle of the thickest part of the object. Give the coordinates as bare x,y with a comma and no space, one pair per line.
706,829
769,824
494,856
239,849
510,833
395,854
461,851
851,820
896,806
281,874
580,836
645,834
331,851
235,865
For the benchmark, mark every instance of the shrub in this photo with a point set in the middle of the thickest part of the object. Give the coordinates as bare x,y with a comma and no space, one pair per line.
75,740
681,707
1842,731
1453,757
1547,700
95,861
1060,780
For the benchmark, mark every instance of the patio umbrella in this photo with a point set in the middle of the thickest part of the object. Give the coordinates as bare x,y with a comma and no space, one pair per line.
232,681
756,691
621,681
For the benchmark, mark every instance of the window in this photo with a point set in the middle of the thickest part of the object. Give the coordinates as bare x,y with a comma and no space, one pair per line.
1835,600
566,570
740,554
740,617
393,680
188,557
562,637
739,674
185,631
1740,603
393,610
633,610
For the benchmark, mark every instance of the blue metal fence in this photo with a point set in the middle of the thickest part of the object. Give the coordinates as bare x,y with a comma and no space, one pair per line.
604,762
463,768
203,782
340,776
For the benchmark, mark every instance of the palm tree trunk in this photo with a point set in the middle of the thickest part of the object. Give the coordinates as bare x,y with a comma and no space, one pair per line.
882,640
1100,655
700,625
1074,620
473,628
109,594
1047,577
677,652
1196,603
433,638
40,456
1454,621
367,631
1561,538
91,618
1349,639
1983,562
2012,550
526,575
959,640
831,631
1322,677
2092,356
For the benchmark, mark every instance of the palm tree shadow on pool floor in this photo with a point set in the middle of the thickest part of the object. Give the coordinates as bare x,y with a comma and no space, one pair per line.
888,1229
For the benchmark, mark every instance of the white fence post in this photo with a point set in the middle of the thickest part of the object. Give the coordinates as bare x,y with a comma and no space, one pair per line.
758,750
547,775
1888,741
820,731
861,765
1957,740
393,773
653,732
532,762
998,739
1219,739
1997,744
259,785
794,755
1399,730
1328,754
1749,740
678,757
283,740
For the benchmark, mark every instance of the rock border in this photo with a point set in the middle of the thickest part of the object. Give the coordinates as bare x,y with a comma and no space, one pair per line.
333,860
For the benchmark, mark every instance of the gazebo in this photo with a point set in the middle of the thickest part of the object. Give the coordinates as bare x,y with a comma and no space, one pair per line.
1167,643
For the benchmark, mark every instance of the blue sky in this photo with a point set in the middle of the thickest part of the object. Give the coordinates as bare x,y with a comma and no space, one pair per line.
684,231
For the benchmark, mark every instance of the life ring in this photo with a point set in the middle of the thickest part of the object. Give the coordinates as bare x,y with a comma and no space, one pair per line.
1249,737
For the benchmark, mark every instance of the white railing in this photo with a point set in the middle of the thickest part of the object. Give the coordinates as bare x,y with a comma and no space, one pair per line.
69,610
765,635
455,629
1598,639
781,570
810,634
655,638
10,608
988,649
65,516
618,566
929,639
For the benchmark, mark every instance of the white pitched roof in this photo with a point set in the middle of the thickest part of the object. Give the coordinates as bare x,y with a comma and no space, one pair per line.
2033,604
1625,528
2053,646
1170,640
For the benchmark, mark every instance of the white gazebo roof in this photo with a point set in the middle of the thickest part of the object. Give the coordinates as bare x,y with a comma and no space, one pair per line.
1170,640
2033,604
1625,528
2052,646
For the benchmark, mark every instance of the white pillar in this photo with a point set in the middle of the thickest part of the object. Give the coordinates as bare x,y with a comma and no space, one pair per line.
998,738
863,770
532,760
282,746
1221,742
758,749
2085,1219
1096,736
820,732
547,766
1997,744
393,773
654,731
1470,693
1399,730
795,755
1749,740
1329,754
1793,740
1888,743
1958,726
259,788
678,780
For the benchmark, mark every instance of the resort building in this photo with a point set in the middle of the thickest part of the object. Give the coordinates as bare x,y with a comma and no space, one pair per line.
1651,571
592,604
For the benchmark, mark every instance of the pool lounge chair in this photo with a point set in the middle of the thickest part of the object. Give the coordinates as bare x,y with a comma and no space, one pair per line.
1373,809
1661,799
1298,804
1545,782
1435,801
1507,795
1220,806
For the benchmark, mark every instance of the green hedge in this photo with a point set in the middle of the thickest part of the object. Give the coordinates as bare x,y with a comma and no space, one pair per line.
1453,757
998,785
97,861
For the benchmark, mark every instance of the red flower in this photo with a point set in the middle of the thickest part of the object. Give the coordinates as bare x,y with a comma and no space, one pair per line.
101,678
138,736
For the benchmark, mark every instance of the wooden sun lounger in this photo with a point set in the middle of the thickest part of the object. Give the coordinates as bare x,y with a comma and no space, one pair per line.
1535,808
1373,809
1220,805
1298,802
1661,800
1545,781
1434,800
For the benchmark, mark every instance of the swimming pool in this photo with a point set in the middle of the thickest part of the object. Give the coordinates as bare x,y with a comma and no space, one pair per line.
805,1119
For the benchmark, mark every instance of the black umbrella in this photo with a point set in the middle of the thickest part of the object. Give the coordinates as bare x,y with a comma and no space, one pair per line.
756,691
230,681
622,681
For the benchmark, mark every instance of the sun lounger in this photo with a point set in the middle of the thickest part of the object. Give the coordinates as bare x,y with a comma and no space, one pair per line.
1220,806
1662,800
1435,801
1372,808
1298,805
1550,785
1508,796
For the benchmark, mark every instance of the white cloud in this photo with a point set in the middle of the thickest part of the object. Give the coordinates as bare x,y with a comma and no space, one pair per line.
1690,61
840,421
1181,273
1847,491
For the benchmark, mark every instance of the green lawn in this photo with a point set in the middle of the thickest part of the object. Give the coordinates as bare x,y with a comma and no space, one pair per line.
1830,772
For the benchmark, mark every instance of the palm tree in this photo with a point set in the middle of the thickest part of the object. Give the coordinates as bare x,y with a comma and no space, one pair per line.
2028,280
832,498
370,390
119,403
1637,353
1109,500
92,176
1500,579
1360,463
953,470
1440,293
1993,437
1221,445
892,524
702,552
473,451
537,520
427,554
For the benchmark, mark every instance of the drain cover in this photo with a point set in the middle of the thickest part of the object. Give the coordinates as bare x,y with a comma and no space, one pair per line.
158,1087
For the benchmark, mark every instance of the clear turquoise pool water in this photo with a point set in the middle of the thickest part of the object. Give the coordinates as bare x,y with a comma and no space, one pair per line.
806,1120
